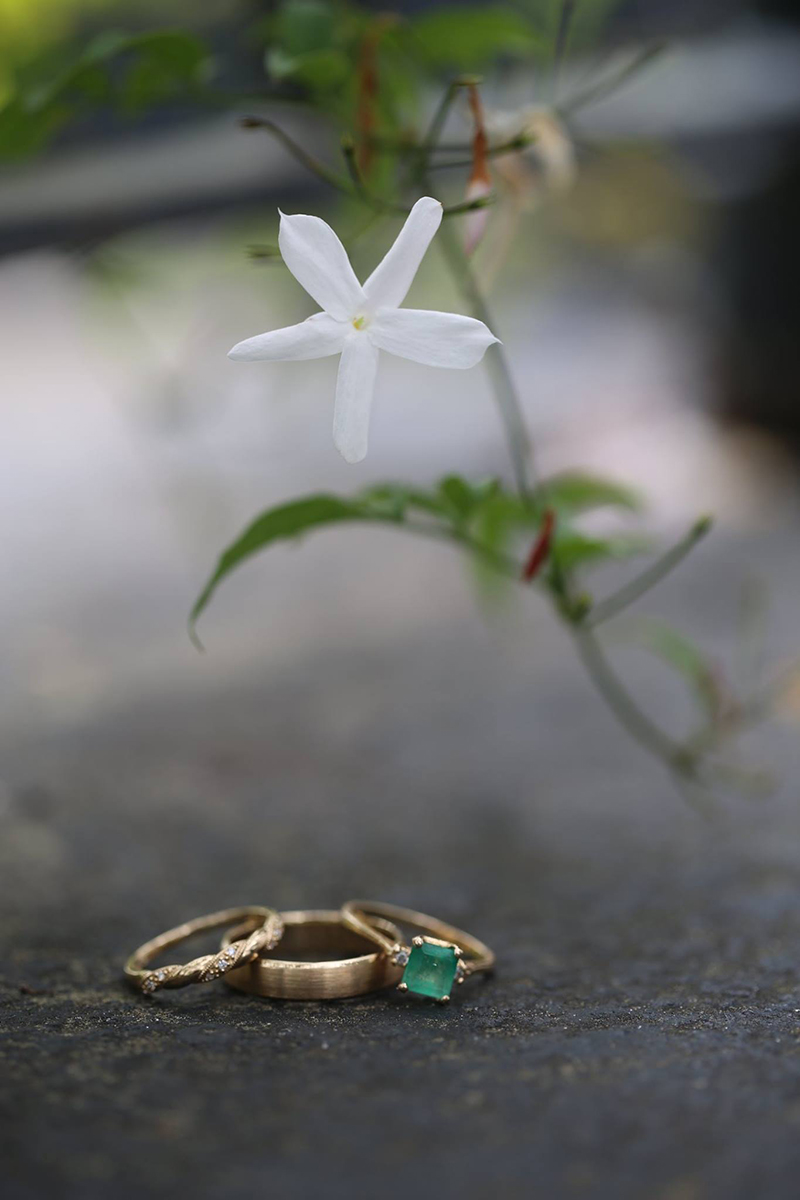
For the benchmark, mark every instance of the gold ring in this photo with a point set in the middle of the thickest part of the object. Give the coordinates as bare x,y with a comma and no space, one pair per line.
433,962
264,927
320,932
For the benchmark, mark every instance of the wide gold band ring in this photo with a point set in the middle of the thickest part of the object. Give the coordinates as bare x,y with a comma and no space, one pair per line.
264,930
439,956
359,966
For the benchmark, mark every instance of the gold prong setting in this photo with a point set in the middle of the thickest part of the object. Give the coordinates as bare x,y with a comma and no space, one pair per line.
400,955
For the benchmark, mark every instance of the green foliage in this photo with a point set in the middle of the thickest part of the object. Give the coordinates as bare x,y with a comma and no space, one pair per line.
480,517
684,657
585,23
573,549
129,72
305,26
276,525
574,492
364,68
305,46
467,38
328,47
502,517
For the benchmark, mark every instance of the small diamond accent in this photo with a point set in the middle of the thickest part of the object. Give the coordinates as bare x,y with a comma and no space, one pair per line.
401,957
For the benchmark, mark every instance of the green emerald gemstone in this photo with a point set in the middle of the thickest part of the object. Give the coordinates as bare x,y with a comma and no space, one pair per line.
431,970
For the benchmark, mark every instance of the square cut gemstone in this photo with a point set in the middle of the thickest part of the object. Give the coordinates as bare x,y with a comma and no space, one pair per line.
431,970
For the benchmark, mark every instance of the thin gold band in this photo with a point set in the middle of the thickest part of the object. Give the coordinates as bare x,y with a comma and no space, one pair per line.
264,929
366,968
359,914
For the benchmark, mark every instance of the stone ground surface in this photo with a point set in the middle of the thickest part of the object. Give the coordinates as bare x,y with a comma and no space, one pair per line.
356,727
641,1037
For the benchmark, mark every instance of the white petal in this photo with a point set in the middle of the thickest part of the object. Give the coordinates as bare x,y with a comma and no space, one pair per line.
354,389
317,337
437,339
391,279
318,260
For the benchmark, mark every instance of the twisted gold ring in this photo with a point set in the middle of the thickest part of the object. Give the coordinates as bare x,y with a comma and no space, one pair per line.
333,960
436,959
264,929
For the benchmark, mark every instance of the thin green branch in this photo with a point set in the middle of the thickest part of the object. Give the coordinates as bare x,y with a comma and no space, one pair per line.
420,156
520,141
604,610
504,388
627,711
379,205
743,716
605,87
312,164
431,139
562,37
514,145
454,210
360,188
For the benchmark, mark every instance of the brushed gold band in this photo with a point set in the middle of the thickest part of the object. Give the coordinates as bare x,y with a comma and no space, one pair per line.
263,931
360,914
360,966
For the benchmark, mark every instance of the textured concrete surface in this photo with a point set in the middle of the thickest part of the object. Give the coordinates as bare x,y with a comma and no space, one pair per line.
641,1037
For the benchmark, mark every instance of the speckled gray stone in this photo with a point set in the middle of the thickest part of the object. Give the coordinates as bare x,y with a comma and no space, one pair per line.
640,1040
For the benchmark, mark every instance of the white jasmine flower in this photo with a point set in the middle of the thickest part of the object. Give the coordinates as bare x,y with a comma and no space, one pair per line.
358,322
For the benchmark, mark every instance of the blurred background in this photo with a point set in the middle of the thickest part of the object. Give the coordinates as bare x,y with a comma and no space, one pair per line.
650,310
359,722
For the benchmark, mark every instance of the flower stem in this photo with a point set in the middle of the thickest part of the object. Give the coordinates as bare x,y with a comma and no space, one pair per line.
379,205
624,707
600,90
604,610
505,391
431,139
628,713
312,164
562,37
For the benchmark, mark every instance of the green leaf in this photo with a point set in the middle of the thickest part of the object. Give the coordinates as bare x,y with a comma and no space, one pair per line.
457,495
481,513
395,498
497,517
387,503
106,45
23,133
575,493
278,524
302,26
166,63
319,70
678,652
183,54
159,65
469,38
572,549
